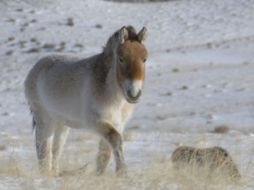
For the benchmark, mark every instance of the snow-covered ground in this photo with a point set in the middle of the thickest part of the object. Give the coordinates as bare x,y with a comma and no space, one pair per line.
199,77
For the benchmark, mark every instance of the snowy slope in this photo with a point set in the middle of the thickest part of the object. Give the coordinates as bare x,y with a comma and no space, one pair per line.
199,75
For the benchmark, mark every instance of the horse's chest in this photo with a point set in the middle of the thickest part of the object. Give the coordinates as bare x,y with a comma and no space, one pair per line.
112,115
115,115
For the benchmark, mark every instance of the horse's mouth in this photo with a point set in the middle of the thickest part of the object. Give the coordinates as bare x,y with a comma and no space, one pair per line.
133,99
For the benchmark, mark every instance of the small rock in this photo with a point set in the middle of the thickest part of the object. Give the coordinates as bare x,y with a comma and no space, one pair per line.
175,70
22,29
78,45
5,114
22,44
42,29
33,50
33,21
70,21
48,46
192,113
26,24
11,38
208,86
211,116
161,117
168,50
33,40
98,26
221,129
168,93
184,87
11,20
2,147
62,44
19,10
208,122
209,45
10,52
135,127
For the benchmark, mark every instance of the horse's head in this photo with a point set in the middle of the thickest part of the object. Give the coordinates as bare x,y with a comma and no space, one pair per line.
130,57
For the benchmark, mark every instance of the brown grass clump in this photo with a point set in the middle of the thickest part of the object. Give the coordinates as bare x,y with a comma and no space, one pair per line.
214,164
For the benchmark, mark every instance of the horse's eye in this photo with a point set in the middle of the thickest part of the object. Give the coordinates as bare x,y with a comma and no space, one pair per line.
121,59
144,60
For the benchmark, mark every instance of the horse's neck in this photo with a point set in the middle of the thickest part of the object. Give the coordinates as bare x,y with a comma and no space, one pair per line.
112,84
107,83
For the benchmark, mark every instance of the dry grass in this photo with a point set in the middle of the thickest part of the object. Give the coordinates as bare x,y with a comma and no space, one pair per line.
159,175
156,176
206,162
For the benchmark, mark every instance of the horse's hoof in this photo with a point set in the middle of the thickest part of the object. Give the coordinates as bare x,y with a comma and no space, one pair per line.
99,172
122,172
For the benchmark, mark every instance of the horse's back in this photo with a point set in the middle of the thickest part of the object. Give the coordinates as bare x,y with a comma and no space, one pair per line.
54,76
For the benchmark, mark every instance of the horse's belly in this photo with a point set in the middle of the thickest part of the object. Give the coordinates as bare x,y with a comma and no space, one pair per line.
73,118
69,111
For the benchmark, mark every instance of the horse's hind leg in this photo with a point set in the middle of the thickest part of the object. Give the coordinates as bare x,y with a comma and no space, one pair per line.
43,137
103,156
61,133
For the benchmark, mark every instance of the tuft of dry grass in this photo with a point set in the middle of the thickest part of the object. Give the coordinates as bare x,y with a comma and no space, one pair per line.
214,164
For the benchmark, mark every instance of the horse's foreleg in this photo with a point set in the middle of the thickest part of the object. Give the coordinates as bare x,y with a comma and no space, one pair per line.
61,133
103,156
115,140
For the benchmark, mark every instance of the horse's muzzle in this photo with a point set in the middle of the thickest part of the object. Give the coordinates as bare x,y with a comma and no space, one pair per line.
133,98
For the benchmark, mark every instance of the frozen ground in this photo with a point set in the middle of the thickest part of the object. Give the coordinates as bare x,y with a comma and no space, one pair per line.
199,76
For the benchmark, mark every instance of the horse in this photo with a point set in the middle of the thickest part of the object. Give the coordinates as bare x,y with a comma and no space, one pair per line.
97,93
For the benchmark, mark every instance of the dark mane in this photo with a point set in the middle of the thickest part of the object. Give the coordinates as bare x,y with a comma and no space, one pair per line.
132,34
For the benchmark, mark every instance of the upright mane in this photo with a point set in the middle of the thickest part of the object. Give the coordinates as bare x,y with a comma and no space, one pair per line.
132,34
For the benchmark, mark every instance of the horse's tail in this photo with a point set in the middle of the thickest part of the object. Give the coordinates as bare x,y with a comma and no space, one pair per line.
33,123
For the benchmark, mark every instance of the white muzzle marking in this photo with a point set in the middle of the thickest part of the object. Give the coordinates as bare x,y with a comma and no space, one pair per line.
135,88
132,89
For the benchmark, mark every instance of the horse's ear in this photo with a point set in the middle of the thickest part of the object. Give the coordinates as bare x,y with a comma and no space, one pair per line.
123,35
142,35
